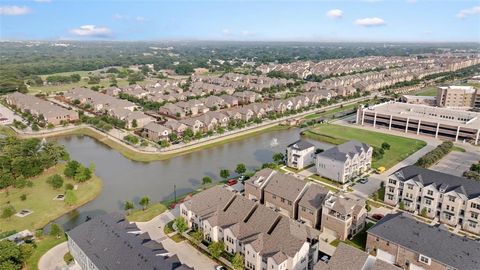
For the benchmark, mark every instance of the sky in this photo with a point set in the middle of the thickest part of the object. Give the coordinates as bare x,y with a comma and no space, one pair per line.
149,20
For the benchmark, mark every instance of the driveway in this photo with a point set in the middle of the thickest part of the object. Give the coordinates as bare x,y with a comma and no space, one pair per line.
8,114
365,190
185,252
455,163
53,259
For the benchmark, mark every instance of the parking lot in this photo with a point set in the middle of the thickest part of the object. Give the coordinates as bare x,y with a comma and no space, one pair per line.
455,163
365,190
7,116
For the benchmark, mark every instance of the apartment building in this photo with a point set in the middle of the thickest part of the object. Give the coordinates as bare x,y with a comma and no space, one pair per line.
111,242
453,200
417,119
402,240
266,239
458,97
288,195
300,154
347,257
424,100
344,162
343,217
40,108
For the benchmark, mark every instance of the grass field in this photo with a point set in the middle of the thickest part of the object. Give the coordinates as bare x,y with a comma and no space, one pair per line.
330,113
139,215
5,130
400,147
358,241
40,201
147,157
48,89
427,91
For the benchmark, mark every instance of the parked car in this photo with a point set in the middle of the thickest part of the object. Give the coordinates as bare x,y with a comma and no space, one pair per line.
377,216
232,182
220,267
324,258
363,181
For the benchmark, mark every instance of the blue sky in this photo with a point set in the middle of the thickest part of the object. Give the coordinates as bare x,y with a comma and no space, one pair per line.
359,20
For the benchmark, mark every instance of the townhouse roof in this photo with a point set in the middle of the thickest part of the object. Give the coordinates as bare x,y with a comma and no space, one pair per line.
229,214
285,186
434,242
97,98
111,242
345,257
314,196
300,145
38,105
345,150
439,180
383,265
260,177
345,205
155,127
205,203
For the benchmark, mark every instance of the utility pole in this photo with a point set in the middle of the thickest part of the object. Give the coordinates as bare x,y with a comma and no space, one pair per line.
174,193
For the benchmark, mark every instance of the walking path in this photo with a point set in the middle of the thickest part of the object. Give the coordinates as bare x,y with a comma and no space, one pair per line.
53,259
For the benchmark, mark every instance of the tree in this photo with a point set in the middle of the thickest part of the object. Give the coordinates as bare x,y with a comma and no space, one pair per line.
278,157
134,123
237,262
83,174
11,256
224,173
197,236
70,197
241,168
56,181
216,249
35,127
8,211
128,206
206,180
71,168
172,137
423,213
55,230
385,146
181,224
144,202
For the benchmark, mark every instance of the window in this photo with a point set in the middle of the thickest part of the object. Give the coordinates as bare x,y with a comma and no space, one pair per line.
390,196
430,192
424,259
410,186
474,215
393,182
391,189
282,200
475,205
451,199
428,202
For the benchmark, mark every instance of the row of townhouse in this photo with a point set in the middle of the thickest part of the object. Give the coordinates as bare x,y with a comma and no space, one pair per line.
309,203
209,120
235,81
340,163
336,66
402,240
451,199
266,239
101,103
39,108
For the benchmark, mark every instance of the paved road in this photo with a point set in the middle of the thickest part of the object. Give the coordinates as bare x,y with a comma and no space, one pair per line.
455,163
53,259
185,252
365,190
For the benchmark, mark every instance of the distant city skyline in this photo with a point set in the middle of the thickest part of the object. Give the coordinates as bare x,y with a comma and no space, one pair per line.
317,21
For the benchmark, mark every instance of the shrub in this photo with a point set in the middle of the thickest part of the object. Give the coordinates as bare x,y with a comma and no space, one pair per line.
435,155
23,197
56,181
8,211
69,186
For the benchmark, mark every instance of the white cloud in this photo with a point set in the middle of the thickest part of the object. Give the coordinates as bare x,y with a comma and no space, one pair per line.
411,1
14,10
91,31
121,17
226,32
368,22
247,33
335,13
42,1
140,19
467,12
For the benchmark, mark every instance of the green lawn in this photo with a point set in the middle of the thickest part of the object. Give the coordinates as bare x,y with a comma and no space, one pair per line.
5,130
427,91
358,241
330,113
325,180
139,215
458,149
48,89
40,201
177,238
400,147
44,244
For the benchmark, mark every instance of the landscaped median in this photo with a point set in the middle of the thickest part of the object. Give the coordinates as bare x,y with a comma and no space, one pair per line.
39,198
400,147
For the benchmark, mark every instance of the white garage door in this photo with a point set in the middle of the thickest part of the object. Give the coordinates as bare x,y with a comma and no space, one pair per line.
385,256
415,267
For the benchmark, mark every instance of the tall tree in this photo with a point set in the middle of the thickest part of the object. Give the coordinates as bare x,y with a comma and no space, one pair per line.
144,202
241,168
224,173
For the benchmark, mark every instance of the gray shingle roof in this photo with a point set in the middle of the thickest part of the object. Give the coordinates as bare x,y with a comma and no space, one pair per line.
436,243
344,258
340,152
427,177
108,242
300,145
314,197
285,186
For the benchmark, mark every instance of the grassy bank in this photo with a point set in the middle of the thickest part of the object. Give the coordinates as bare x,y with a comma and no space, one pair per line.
147,157
427,91
39,199
7,131
139,215
330,113
400,147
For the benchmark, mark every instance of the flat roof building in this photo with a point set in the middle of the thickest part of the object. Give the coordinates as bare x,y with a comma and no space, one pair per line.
437,122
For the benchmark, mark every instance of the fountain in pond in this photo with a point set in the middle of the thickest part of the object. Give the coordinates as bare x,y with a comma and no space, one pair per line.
274,142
